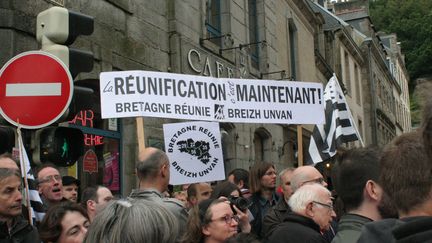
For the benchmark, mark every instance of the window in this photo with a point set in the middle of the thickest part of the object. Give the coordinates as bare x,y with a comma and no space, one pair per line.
253,32
347,72
213,20
292,38
262,144
360,127
357,81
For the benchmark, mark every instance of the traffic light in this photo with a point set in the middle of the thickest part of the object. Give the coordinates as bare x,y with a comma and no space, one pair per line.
61,146
59,27
7,139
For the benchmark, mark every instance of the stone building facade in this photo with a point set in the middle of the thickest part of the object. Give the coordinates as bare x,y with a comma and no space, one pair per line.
255,39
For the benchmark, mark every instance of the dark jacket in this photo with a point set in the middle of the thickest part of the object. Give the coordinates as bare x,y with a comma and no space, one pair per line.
274,217
297,228
258,211
411,229
21,232
414,230
349,228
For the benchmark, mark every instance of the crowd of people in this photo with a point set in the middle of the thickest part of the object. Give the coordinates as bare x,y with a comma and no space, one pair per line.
379,195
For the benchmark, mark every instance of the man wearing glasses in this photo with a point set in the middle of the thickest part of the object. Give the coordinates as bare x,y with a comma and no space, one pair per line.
49,185
312,213
306,175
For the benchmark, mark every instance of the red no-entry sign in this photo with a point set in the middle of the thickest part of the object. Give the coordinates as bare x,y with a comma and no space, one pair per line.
35,89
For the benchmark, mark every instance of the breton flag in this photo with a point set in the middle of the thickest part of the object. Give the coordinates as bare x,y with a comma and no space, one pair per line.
32,195
339,126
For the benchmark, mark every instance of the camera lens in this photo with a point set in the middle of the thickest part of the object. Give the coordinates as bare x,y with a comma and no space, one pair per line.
240,202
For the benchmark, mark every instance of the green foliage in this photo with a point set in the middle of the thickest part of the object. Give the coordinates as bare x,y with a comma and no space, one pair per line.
415,112
411,20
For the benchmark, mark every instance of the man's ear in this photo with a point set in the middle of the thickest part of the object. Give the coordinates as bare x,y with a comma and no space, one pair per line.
205,231
241,184
193,200
372,190
91,205
164,170
309,210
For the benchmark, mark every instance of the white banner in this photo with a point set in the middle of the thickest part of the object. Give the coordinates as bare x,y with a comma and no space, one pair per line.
179,96
195,152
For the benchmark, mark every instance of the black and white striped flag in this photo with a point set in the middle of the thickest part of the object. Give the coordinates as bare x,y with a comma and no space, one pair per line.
338,128
32,195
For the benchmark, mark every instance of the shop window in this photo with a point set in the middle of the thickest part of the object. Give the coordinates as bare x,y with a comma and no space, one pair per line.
100,164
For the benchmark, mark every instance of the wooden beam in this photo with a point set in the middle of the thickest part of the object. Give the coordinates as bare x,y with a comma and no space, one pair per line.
300,145
140,134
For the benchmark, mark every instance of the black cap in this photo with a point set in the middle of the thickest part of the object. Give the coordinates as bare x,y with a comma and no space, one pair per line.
69,180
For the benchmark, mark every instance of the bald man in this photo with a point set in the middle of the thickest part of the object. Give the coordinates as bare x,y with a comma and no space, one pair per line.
7,162
306,175
152,169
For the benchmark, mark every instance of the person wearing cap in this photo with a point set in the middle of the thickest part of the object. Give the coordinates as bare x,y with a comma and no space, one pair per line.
70,188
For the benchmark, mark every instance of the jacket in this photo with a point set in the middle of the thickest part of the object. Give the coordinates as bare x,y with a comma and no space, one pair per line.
274,217
297,228
411,229
259,208
349,228
21,232
172,204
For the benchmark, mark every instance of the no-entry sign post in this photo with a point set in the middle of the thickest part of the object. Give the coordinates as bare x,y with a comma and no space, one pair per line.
36,88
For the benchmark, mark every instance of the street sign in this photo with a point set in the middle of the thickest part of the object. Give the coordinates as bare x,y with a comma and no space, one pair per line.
90,162
36,88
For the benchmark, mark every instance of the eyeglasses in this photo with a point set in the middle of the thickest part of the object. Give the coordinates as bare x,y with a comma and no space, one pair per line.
50,178
329,206
317,180
228,219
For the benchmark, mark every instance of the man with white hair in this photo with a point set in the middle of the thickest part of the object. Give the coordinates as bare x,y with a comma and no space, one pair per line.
312,213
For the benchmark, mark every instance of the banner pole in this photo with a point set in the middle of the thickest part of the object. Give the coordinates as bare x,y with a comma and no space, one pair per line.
140,134
300,145
24,173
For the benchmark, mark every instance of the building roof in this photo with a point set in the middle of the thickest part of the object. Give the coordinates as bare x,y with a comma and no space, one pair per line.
358,14
331,21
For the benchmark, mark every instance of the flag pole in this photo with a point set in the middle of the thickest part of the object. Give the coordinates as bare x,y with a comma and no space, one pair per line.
24,173
349,112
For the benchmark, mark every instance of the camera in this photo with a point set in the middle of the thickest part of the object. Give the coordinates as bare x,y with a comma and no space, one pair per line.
240,202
